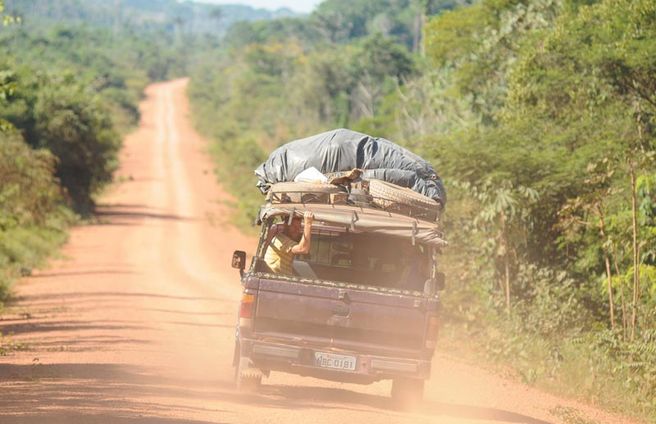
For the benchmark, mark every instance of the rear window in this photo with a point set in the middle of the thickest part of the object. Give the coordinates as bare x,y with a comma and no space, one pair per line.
366,259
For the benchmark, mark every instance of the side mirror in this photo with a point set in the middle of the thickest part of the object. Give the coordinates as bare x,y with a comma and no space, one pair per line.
434,285
239,260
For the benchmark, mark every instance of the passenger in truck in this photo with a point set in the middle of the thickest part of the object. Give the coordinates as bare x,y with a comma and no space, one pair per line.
414,272
287,241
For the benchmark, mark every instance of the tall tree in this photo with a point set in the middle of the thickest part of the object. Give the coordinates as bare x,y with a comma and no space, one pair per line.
505,216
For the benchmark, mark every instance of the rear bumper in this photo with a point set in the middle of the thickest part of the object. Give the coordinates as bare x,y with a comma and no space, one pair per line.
300,360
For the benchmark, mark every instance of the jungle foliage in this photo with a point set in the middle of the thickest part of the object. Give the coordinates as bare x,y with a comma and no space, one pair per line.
538,114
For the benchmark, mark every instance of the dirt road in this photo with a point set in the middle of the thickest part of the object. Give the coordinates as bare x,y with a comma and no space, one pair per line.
135,323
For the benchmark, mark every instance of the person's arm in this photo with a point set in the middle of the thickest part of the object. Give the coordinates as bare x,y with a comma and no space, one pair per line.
303,247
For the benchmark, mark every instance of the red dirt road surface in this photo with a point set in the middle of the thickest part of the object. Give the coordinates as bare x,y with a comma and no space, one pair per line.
135,324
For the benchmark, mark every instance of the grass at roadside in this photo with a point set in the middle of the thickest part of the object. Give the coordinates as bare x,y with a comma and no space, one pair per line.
23,249
580,368
8,345
570,416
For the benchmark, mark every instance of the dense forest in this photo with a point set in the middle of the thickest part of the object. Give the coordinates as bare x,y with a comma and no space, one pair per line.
539,115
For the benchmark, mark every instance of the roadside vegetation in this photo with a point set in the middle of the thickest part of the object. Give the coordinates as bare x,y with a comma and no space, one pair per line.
58,143
67,96
539,116
63,109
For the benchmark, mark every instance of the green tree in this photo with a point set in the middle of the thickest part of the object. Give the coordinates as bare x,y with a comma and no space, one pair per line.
29,192
80,133
590,210
505,217
594,69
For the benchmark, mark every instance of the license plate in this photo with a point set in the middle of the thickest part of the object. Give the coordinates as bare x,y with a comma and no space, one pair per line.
335,362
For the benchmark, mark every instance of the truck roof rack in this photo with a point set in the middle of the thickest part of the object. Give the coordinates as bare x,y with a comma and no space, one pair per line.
387,197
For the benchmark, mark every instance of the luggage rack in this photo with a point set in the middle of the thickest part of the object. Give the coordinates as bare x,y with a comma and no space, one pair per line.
340,196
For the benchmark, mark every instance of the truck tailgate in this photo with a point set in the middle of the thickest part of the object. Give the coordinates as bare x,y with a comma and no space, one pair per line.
340,314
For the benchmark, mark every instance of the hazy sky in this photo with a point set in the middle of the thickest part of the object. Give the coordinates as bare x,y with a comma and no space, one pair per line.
296,5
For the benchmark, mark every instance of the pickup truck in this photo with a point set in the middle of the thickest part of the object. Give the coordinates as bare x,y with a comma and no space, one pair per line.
362,306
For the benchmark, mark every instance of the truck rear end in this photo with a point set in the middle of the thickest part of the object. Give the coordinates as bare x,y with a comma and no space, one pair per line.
362,305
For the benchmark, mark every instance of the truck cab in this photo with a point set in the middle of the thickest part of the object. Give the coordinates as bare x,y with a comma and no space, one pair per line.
361,306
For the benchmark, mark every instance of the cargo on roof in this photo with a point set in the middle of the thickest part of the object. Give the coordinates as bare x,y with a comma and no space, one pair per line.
342,150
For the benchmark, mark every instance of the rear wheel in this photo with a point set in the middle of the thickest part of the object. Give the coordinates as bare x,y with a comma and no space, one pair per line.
247,378
407,393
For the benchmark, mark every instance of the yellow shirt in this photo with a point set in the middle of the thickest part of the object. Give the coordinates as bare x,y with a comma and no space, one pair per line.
279,255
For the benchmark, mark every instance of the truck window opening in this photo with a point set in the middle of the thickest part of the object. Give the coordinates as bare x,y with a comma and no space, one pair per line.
365,259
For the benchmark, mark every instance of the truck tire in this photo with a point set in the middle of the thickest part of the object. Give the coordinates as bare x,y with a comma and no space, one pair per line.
247,378
387,195
407,393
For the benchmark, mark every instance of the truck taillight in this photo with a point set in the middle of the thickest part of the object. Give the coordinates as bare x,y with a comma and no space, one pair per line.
247,305
432,331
